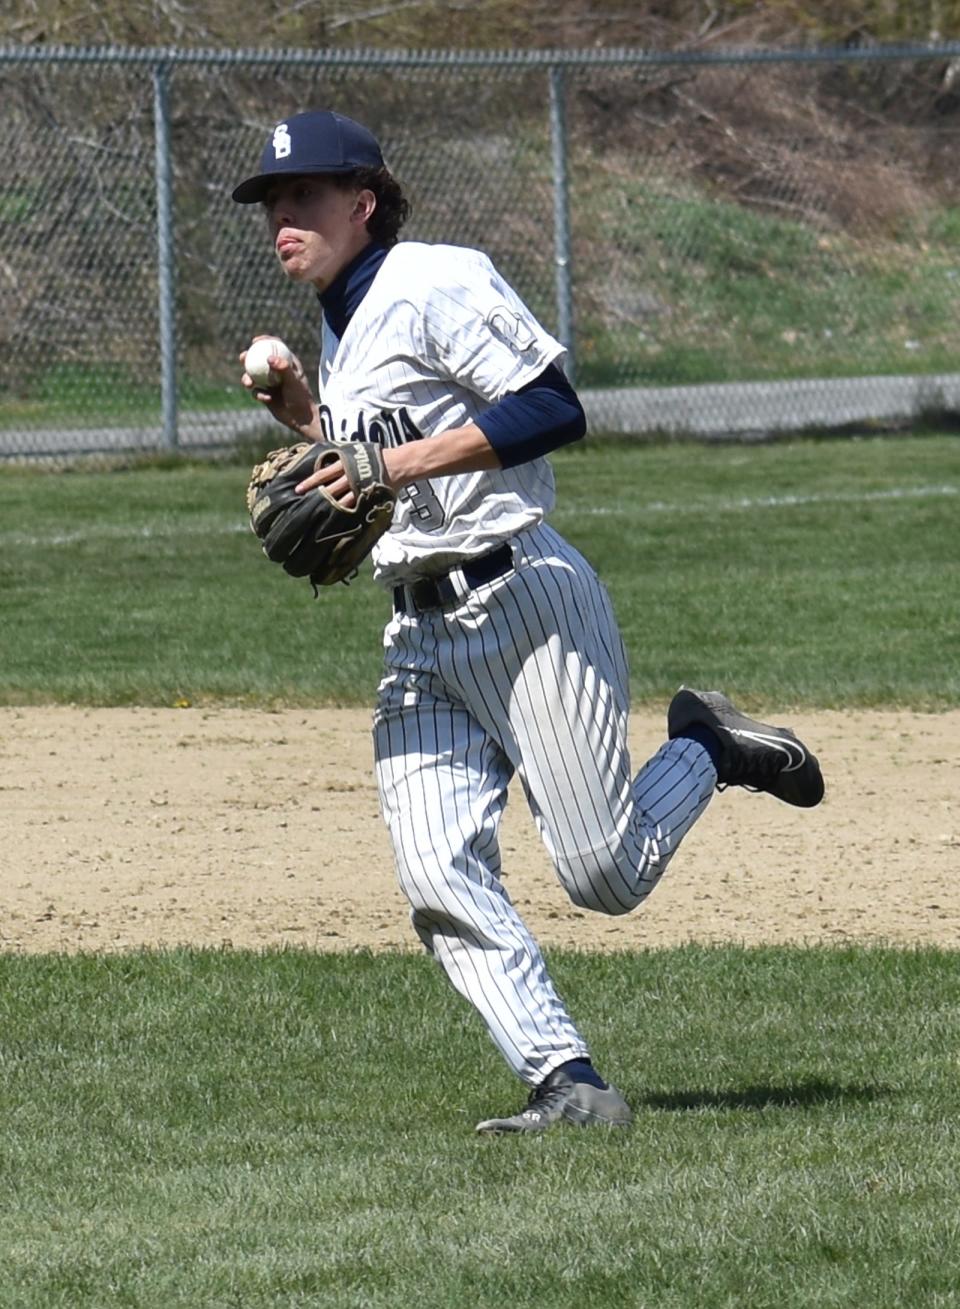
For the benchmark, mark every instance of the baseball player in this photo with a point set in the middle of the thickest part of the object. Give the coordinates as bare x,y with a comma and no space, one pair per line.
502,655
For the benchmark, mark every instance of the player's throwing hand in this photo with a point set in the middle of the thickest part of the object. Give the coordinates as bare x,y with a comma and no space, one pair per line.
289,400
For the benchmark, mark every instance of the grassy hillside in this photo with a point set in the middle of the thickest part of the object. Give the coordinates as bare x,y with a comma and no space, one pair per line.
483,23
730,223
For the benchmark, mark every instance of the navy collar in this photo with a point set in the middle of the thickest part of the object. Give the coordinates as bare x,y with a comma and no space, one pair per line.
342,297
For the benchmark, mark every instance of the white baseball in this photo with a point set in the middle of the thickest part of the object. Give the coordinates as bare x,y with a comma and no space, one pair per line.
256,360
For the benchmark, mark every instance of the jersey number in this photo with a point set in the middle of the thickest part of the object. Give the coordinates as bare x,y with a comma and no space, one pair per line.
425,508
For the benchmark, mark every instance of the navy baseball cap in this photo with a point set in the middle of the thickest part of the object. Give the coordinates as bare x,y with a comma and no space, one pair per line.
317,141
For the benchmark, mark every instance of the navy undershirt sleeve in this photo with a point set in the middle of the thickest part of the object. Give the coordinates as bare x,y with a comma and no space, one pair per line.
540,417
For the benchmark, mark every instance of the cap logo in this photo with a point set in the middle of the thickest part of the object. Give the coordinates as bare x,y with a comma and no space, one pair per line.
282,145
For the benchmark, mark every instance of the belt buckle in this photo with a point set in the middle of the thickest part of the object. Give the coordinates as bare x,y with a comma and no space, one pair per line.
437,592
425,593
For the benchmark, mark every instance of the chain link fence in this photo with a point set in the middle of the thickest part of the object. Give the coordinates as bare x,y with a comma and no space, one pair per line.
736,243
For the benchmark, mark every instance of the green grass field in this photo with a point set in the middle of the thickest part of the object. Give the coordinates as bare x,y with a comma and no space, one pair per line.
233,1129
111,395
733,293
807,572
290,1129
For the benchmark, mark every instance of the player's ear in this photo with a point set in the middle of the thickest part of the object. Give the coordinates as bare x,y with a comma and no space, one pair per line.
364,205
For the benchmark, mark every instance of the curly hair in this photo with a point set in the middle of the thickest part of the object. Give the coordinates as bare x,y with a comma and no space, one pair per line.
393,207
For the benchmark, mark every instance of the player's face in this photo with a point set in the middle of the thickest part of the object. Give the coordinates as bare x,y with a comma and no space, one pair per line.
316,226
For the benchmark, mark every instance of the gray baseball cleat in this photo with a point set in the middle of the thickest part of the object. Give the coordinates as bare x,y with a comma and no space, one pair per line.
558,1098
754,755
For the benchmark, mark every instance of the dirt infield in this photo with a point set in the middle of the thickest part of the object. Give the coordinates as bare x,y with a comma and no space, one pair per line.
158,827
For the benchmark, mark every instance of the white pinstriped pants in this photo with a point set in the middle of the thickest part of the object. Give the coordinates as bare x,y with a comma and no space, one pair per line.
527,675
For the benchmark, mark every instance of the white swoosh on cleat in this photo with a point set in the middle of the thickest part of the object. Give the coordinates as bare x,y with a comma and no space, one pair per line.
796,755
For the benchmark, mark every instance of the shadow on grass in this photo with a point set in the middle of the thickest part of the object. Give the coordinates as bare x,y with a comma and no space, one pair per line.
805,1095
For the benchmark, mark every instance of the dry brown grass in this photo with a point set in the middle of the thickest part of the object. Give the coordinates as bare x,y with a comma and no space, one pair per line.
417,24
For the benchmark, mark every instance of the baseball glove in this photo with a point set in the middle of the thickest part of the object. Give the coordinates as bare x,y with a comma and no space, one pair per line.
311,534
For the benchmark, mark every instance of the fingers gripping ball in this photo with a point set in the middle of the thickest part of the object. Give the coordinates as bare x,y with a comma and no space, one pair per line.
312,534
256,361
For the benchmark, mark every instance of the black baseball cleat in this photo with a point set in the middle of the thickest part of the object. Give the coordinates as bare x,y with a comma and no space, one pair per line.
558,1098
752,754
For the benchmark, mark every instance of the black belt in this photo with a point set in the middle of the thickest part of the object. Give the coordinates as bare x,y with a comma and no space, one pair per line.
435,592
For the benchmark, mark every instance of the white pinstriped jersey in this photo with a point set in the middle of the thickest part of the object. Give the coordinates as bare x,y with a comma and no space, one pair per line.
522,675
437,339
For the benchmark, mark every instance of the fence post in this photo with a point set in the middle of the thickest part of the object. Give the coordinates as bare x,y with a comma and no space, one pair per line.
166,266
561,217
